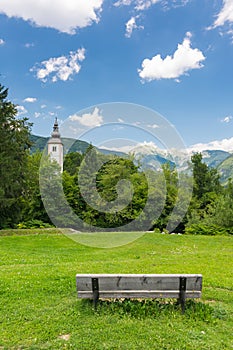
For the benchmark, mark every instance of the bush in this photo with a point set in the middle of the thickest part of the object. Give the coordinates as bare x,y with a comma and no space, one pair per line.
208,230
33,224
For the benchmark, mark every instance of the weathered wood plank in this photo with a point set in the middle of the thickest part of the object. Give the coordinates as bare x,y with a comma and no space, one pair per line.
137,294
138,282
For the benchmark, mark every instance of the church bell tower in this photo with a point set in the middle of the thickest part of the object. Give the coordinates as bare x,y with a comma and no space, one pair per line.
55,145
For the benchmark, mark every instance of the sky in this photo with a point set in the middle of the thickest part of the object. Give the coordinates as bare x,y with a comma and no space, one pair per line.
73,59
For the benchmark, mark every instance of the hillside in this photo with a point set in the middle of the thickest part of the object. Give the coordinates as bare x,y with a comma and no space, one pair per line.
70,145
213,158
226,169
150,158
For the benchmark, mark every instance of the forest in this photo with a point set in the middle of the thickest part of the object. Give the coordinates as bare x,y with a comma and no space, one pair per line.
118,194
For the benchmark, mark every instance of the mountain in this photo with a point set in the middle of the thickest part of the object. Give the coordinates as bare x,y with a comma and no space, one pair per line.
152,157
153,161
70,145
213,158
226,169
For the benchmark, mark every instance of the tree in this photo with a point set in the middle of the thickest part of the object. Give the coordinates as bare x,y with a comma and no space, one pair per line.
171,181
72,161
33,207
206,181
206,191
15,142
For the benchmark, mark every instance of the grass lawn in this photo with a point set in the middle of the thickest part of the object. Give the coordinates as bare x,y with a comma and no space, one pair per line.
39,308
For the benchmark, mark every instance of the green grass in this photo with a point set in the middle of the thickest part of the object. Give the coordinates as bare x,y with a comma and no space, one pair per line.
39,308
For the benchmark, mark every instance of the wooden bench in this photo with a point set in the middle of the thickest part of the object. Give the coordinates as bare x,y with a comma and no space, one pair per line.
105,286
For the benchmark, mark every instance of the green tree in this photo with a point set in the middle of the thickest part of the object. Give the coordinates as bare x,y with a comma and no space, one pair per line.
170,177
14,145
206,181
33,207
72,161
206,191
222,214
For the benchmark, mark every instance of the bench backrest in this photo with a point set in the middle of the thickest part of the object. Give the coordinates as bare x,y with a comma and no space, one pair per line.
139,285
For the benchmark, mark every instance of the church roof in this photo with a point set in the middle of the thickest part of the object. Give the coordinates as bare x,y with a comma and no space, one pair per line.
55,135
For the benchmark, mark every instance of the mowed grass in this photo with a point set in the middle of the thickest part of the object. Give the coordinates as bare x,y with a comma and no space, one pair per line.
39,308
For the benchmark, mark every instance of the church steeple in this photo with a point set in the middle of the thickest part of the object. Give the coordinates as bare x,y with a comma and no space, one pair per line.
55,132
55,145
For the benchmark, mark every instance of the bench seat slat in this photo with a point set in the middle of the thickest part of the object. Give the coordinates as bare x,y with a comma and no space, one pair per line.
138,294
138,282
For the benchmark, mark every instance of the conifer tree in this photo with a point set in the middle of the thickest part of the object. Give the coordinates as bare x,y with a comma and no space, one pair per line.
14,145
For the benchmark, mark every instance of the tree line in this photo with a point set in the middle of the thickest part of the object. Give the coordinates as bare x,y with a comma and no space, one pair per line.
113,191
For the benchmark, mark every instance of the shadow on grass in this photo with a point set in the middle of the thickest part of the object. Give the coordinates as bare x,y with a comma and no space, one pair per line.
152,308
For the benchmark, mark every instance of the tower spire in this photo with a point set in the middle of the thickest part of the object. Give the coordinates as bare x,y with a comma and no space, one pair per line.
56,132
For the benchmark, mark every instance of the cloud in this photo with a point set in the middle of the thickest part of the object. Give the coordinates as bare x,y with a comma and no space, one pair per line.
224,145
131,25
60,68
145,4
88,119
21,110
65,16
139,5
37,114
142,148
225,15
30,99
28,45
227,119
168,4
153,126
171,67
142,5
2,42
123,3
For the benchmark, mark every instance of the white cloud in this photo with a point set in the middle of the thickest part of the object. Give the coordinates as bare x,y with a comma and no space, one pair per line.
145,148
37,114
227,119
224,145
21,110
225,15
141,5
2,42
142,148
132,25
28,45
88,119
30,99
171,67
65,16
60,68
153,126
145,4
168,4
43,106
123,3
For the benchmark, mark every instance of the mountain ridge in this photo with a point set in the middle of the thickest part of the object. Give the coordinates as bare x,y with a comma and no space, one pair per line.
151,158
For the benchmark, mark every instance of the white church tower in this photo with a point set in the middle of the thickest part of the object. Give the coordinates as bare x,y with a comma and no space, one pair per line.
55,145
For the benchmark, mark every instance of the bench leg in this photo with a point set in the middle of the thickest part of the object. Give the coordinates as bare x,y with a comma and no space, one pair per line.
181,299
95,290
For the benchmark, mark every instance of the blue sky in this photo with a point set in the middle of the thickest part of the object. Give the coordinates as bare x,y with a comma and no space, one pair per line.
175,57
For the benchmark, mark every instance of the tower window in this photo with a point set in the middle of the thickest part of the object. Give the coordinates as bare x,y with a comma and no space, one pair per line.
54,148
